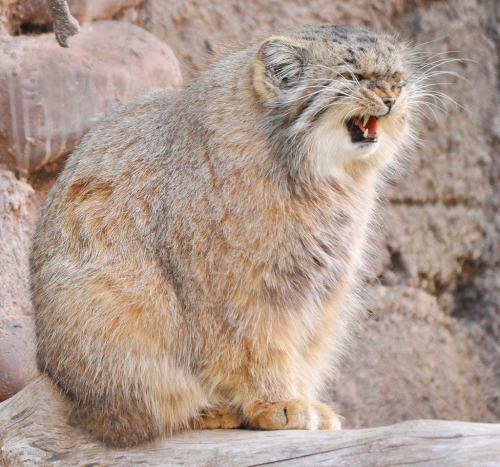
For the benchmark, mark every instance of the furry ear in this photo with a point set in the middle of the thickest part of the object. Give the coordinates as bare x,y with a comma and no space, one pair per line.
277,66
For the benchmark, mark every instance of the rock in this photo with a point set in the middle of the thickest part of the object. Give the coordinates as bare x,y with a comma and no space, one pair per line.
412,360
418,232
17,343
91,10
20,15
28,16
17,354
35,430
52,95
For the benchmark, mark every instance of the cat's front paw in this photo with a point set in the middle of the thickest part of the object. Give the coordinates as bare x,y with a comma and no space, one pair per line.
296,414
220,417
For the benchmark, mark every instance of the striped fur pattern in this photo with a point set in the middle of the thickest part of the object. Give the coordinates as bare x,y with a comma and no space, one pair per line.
197,261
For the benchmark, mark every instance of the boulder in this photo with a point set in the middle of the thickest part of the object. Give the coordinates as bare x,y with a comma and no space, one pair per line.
51,95
17,341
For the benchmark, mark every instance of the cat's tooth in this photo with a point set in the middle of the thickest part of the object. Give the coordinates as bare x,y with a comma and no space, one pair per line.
365,134
365,120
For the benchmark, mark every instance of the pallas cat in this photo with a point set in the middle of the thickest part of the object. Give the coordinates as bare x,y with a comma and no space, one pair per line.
197,262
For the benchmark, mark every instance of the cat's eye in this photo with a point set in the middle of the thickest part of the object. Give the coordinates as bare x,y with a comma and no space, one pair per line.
398,81
354,76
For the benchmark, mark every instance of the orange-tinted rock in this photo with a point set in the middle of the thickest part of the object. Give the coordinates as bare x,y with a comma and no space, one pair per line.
50,96
91,10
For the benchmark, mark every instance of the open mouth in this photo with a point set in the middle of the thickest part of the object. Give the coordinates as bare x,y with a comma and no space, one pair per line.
363,129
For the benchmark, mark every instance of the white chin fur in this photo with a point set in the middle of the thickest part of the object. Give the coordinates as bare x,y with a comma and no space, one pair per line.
331,147
361,150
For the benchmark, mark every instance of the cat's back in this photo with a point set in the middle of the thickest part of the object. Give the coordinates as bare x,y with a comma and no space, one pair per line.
131,133
107,169
97,216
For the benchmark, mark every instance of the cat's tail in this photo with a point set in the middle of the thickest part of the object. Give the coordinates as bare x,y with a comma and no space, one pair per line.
123,391
156,400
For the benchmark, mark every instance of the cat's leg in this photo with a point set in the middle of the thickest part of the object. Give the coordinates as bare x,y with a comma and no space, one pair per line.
286,381
277,388
276,399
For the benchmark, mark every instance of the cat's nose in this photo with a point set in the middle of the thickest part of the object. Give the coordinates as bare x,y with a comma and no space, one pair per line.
389,101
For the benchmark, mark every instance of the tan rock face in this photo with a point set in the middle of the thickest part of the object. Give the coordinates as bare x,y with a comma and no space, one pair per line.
91,10
413,361
52,95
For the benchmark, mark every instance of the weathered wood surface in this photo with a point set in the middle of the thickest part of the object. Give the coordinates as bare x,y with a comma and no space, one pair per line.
34,431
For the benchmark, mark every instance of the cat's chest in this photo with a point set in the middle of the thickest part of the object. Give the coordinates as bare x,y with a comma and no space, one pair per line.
317,252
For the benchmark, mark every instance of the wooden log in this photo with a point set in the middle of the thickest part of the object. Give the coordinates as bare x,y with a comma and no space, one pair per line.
34,431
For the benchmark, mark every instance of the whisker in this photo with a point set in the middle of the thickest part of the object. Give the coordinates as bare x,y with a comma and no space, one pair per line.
422,44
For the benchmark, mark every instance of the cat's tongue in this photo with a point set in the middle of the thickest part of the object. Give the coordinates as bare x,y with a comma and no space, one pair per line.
369,128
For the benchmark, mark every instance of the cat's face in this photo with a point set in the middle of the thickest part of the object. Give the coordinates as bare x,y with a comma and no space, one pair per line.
343,93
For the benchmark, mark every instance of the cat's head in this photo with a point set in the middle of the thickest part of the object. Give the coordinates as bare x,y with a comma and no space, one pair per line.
343,94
